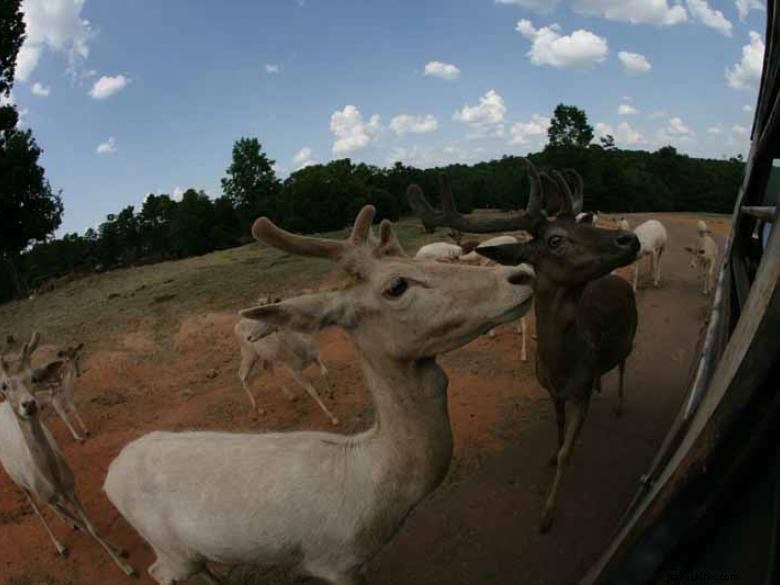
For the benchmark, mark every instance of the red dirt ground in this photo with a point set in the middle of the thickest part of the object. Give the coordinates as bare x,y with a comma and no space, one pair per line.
480,526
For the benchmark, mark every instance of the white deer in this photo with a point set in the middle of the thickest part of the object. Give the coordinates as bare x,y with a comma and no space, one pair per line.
704,256
31,457
652,241
264,345
323,503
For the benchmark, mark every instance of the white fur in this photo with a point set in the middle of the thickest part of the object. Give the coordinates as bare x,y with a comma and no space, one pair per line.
652,240
704,257
439,251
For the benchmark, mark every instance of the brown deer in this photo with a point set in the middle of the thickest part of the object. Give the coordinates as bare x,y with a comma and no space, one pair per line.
586,319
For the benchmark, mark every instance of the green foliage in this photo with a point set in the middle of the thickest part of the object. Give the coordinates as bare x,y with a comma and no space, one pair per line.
251,184
11,38
569,127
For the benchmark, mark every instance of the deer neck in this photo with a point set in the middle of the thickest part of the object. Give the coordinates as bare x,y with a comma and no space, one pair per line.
40,447
555,307
411,439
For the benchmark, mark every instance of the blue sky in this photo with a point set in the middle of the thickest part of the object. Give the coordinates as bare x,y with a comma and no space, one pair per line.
128,98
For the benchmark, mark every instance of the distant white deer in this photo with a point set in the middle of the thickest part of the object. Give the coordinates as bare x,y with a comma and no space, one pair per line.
323,503
267,346
652,241
704,256
32,458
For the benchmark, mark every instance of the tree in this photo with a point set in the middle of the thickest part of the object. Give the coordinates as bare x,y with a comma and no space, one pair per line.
29,210
251,183
569,127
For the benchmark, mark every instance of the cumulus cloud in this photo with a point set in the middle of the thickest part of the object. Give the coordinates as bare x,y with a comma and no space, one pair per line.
177,193
746,74
443,70
740,131
627,110
351,132
745,6
715,130
579,50
303,158
55,25
107,147
405,124
675,131
526,132
271,68
541,6
634,63
747,108
634,11
484,117
700,10
424,157
108,85
40,90
623,134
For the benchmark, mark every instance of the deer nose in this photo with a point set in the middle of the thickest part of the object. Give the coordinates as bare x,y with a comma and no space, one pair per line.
626,239
521,277
30,406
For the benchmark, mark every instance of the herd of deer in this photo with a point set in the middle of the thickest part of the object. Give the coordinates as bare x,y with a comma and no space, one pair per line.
326,503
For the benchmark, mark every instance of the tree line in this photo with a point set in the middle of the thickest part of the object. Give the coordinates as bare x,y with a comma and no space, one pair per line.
317,198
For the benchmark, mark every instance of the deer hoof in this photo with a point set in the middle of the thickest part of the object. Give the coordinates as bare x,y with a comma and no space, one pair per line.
63,551
334,421
554,460
81,440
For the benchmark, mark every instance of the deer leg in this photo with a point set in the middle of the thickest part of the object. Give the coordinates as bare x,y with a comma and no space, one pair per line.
523,337
244,371
77,416
59,407
579,410
313,393
208,577
77,524
636,273
324,374
622,371
61,550
560,419
657,266
597,384
109,548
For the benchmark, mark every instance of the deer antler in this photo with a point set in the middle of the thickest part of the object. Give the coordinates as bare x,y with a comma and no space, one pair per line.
450,217
579,189
266,231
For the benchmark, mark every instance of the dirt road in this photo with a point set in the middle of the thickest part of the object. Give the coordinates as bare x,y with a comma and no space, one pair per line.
480,526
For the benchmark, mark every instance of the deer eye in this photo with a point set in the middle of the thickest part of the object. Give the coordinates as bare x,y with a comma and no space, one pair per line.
396,288
555,241
4,387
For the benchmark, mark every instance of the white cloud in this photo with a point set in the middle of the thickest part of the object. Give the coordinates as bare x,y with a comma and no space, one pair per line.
634,63
404,123
624,134
40,90
177,193
107,147
659,114
579,50
443,70
525,132
56,25
715,130
745,6
271,68
485,116
541,6
108,85
747,73
740,131
627,110
747,108
303,158
351,132
675,131
633,11
432,156
700,10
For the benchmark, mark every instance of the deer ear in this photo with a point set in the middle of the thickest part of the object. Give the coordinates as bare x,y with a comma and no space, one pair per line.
47,373
306,313
506,254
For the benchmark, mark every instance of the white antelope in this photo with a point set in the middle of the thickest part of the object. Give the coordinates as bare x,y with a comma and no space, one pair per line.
267,346
704,256
323,503
652,241
439,251
32,458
